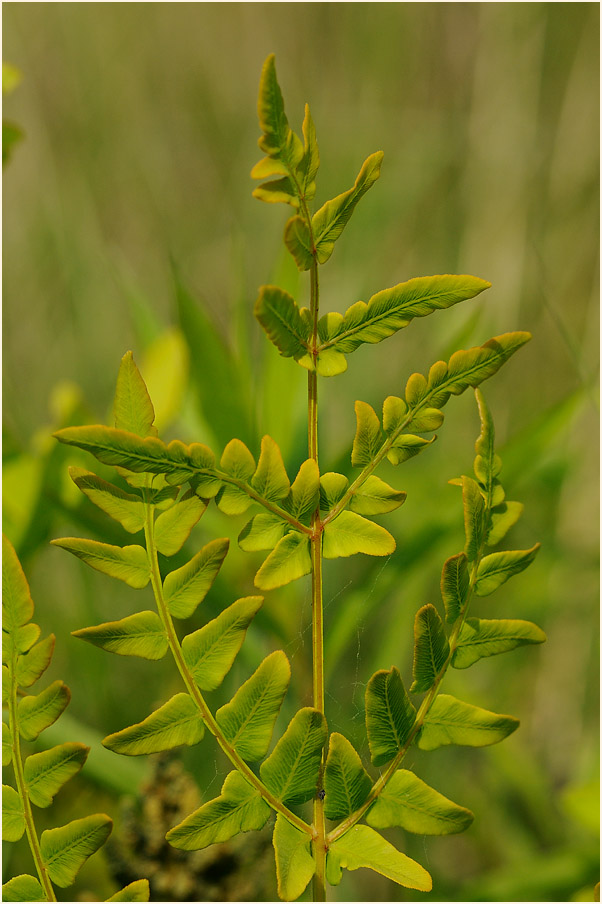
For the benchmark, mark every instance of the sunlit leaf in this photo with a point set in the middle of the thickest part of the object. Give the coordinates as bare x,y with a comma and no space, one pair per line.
488,637
237,462
330,220
361,846
487,464
263,531
289,560
124,507
239,808
23,888
409,802
17,604
431,648
127,563
295,864
136,891
292,769
346,782
349,534
37,713
172,528
247,721
46,772
389,715
305,492
176,722
132,407
66,849
503,517
375,497
330,363
210,651
13,818
454,585
19,640
425,420
406,446
187,586
141,635
495,569
368,435
451,721
270,479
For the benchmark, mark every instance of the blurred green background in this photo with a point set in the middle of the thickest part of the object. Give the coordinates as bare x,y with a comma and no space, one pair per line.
129,223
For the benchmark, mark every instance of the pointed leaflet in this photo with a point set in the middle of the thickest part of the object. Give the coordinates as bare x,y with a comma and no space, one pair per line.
186,587
375,497
409,802
284,324
431,648
389,715
23,888
304,496
451,721
127,563
363,847
503,517
270,479
239,808
368,435
33,664
37,713
330,220
295,864
176,722
487,464
392,309
46,772
136,891
454,586
126,508
13,818
132,407
483,637
20,640
210,651
349,534
141,635
292,769
407,446
66,849
289,560
346,782
17,604
238,462
310,163
263,531
278,141
494,570
172,528
247,721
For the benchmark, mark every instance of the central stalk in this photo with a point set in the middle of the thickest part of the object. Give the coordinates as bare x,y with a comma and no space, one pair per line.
317,625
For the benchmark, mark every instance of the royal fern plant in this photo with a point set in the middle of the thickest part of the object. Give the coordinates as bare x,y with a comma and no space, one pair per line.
58,854
328,805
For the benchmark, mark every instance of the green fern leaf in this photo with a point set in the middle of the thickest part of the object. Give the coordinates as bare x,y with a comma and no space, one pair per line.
480,637
349,534
141,635
176,722
132,407
13,817
431,649
409,802
346,782
291,771
295,864
138,890
289,560
37,713
173,527
126,508
361,846
127,563
46,772
186,587
389,715
451,721
66,849
454,585
23,888
495,569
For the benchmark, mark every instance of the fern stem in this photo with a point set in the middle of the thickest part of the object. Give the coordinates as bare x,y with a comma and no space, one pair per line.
193,690
30,828
421,715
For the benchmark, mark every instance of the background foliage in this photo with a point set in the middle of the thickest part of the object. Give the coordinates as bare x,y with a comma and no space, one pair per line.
129,223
